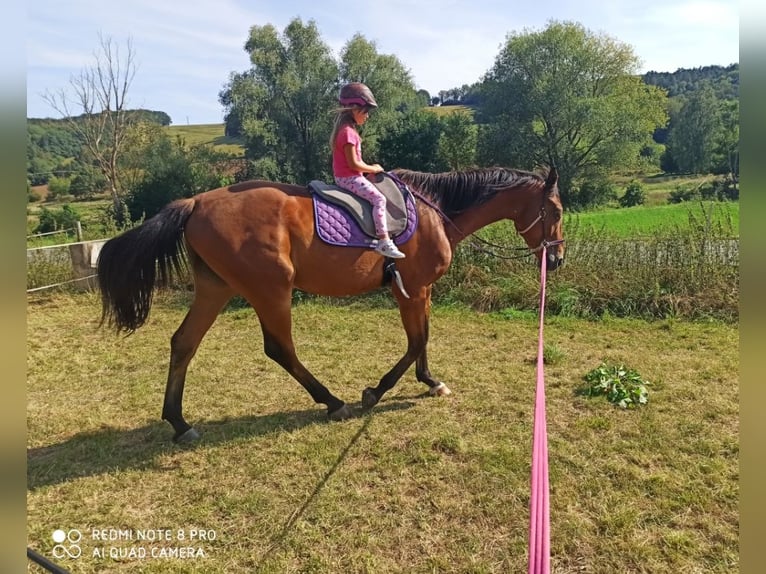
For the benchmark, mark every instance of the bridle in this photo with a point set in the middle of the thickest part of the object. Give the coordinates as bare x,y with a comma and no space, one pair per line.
544,244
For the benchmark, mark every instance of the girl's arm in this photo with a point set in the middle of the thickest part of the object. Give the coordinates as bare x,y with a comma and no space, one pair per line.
357,164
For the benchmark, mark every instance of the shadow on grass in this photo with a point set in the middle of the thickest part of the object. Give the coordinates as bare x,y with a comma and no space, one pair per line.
278,540
110,449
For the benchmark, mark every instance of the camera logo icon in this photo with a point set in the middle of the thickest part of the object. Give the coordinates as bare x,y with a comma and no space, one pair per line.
67,543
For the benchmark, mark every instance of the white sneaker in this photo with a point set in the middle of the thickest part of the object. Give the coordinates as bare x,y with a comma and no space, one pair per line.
387,248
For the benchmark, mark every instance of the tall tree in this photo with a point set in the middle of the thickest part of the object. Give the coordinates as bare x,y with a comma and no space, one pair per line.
286,99
388,79
283,105
457,144
413,142
567,97
697,131
100,95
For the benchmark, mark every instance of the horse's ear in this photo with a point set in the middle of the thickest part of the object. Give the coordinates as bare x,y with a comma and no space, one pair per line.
553,177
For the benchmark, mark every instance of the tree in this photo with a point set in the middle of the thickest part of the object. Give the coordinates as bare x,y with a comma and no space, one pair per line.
726,152
100,92
457,143
570,98
170,170
87,183
695,132
413,143
388,79
283,103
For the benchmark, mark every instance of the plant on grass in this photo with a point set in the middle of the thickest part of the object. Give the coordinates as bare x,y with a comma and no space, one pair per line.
552,354
622,387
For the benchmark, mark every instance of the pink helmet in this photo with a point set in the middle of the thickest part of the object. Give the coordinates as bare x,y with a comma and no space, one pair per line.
356,93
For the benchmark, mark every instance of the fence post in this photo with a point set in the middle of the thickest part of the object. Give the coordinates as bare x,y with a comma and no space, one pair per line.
78,230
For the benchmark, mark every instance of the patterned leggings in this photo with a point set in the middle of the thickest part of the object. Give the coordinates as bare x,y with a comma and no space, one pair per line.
361,186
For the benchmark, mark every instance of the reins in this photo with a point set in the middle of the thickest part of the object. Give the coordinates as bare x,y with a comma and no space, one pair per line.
476,239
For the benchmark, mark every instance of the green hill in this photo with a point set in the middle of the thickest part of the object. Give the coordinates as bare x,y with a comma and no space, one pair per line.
212,134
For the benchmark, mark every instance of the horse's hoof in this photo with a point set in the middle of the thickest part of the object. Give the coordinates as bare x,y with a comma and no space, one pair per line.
189,437
369,398
340,414
440,390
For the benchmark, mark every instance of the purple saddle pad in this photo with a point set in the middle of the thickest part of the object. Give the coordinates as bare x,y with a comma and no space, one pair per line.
336,226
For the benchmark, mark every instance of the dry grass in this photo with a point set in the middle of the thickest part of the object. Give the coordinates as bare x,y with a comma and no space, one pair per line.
420,485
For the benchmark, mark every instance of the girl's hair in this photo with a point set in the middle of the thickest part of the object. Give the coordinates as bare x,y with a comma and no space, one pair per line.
343,116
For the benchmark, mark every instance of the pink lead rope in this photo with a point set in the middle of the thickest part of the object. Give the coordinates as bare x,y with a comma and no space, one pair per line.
539,504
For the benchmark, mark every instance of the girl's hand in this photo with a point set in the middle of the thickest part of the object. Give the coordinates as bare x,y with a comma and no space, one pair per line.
376,168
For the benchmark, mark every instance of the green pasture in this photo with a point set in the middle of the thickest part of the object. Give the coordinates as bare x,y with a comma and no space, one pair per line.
210,134
446,110
420,484
647,221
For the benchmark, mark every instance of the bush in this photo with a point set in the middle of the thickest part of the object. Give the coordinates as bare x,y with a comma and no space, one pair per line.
55,220
58,187
88,183
592,193
683,193
726,189
634,195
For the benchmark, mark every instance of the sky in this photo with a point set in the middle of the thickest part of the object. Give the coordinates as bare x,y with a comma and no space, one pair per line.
185,50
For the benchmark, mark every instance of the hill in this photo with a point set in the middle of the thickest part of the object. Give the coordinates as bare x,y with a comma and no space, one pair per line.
725,80
212,134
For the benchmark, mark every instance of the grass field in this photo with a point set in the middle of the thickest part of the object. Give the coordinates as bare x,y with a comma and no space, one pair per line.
646,221
446,110
212,134
419,485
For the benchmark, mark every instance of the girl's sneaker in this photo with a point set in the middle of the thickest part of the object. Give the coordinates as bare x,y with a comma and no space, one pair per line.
387,248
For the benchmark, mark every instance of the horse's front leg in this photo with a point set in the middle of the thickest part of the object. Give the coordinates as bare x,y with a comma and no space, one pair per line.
436,388
414,315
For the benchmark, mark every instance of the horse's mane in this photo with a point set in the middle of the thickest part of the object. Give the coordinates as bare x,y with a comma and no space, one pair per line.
455,191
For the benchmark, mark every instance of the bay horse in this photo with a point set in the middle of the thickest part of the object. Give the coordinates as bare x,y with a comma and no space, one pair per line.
258,239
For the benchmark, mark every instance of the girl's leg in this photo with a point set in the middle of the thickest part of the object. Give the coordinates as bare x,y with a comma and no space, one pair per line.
363,188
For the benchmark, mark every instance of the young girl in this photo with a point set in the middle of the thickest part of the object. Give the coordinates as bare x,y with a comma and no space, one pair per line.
348,167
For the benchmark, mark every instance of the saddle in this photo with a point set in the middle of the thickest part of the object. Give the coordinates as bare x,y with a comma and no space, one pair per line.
343,218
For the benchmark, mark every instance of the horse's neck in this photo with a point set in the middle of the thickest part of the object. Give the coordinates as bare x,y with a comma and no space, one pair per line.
477,217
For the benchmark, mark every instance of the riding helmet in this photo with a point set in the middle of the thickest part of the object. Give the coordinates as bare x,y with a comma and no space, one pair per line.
356,93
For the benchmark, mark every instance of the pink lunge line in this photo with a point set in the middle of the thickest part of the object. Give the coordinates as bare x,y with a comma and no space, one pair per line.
539,503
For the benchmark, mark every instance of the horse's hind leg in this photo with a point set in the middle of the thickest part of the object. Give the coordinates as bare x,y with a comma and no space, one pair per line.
210,295
274,314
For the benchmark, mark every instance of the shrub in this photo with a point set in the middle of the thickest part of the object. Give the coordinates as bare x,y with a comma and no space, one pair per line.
54,220
683,193
592,193
58,187
88,183
634,195
726,189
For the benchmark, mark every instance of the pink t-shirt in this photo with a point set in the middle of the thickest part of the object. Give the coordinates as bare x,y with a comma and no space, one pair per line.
346,135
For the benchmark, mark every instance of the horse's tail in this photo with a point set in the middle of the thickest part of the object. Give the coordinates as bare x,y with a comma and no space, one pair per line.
129,264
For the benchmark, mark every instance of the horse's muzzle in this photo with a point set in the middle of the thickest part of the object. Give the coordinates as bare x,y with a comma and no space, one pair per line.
553,261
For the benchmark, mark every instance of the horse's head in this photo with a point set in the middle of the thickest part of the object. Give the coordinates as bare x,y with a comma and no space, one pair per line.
539,222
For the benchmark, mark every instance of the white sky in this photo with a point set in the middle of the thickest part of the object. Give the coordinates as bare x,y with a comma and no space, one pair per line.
186,49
